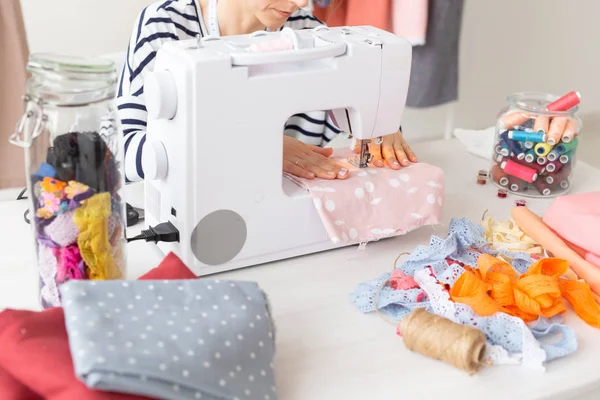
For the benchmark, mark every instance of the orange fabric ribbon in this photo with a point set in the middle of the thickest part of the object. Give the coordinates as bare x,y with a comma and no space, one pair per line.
495,287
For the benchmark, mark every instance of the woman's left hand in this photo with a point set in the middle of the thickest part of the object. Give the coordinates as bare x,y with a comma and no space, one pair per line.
393,151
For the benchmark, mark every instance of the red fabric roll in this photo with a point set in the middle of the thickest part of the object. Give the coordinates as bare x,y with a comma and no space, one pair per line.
35,361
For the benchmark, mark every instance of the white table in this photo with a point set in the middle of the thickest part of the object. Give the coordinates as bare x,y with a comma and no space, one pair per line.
326,349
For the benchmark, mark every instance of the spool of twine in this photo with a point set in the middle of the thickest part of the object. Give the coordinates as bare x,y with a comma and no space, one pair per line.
439,338
436,337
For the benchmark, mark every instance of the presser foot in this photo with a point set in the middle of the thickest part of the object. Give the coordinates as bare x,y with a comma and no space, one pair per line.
363,160
365,157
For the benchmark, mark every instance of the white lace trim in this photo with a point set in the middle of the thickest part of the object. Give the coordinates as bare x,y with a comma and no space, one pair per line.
532,356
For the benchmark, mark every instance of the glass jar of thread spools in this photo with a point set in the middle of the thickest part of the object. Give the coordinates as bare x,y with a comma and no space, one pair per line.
73,161
535,144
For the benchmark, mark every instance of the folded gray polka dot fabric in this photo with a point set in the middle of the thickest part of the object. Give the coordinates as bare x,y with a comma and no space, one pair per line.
177,339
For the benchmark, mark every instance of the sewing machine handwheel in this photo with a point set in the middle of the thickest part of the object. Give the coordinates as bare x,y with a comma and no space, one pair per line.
155,161
161,95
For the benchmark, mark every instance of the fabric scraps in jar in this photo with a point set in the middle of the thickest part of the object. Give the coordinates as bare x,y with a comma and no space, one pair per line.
119,256
115,227
494,287
35,349
75,189
54,186
443,257
508,236
45,171
179,339
58,197
70,265
84,157
77,210
47,265
62,229
93,241
374,203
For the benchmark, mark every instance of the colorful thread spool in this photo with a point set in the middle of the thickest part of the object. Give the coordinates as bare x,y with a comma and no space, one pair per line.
570,131
515,149
499,158
557,127
542,149
482,177
530,156
499,176
553,155
516,184
520,203
502,149
542,160
540,169
523,136
502,193
554,166
565,158
513,146
565,103
543,187
534,156
520,171
566,139
561,175
567,147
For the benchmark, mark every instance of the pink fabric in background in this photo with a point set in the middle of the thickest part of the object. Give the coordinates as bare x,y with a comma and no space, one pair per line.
374,203
593,259
409,20
576,218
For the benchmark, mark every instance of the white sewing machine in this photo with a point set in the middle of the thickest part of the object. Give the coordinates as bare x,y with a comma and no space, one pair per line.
217,109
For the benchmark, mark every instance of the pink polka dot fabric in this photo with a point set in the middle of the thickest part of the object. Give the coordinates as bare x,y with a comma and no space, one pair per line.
374,203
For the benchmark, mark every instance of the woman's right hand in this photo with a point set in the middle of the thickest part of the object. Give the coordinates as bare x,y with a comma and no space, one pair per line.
310,162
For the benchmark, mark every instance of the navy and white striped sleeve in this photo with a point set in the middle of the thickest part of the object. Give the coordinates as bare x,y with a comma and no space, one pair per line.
317,127
153,28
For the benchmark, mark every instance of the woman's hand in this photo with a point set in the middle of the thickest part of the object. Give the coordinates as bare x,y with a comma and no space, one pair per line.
307,161
393,151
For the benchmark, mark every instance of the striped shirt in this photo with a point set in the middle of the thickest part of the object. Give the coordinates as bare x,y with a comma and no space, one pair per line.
163,21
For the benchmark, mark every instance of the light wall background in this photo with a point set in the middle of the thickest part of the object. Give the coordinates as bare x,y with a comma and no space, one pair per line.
507,46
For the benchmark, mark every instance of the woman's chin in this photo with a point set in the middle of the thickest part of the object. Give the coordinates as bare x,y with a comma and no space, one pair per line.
273,19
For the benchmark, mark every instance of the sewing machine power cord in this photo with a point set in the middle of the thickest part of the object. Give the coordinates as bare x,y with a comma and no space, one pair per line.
164,232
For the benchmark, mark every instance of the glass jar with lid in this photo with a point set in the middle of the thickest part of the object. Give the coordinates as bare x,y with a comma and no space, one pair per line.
74,165
535,149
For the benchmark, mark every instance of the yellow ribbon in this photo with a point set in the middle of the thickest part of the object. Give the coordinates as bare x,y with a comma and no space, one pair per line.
93,242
